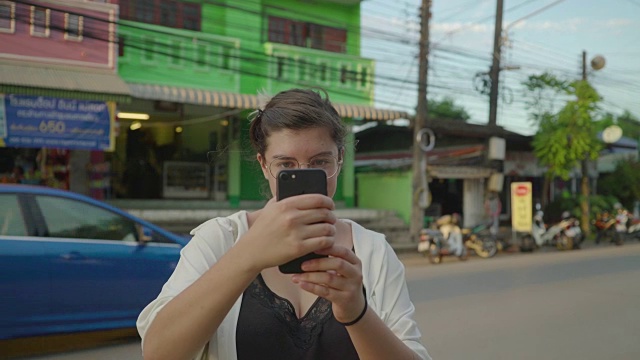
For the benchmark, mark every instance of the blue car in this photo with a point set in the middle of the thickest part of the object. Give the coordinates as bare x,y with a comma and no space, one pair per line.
69,263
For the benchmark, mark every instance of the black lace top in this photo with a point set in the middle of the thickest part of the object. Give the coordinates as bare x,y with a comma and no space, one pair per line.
268,328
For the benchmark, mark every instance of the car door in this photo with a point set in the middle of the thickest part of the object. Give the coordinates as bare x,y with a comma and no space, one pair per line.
102,275
24,272
89,250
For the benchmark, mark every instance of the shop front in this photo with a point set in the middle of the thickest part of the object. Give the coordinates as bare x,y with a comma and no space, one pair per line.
56,142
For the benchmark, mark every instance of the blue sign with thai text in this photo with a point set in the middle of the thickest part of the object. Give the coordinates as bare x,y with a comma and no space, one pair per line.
39,121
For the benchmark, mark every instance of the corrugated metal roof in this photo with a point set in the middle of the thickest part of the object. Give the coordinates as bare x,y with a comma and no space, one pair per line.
60,81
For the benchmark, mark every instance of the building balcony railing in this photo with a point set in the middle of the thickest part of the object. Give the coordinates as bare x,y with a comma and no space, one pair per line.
162,55
348,78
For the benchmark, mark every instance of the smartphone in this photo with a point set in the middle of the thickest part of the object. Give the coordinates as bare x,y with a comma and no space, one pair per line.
297,182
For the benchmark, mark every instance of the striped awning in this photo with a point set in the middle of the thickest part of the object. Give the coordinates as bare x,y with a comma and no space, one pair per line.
61,81
369,112
193,96
245,101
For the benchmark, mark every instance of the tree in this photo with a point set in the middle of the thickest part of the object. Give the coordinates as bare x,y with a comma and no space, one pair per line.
623,183
567,136
447,109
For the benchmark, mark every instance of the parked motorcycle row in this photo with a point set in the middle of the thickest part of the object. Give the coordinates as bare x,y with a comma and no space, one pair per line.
618,228
444,237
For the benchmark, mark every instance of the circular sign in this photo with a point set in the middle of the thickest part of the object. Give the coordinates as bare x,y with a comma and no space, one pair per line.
612,134
522,190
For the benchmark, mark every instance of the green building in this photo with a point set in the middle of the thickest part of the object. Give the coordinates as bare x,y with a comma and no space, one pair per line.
196,71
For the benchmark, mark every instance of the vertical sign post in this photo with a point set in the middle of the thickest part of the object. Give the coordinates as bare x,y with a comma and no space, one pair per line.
521,207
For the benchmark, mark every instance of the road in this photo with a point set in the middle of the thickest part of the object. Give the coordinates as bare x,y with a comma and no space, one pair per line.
550,305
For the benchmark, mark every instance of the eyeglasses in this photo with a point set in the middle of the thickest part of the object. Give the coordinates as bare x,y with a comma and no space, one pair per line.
328,163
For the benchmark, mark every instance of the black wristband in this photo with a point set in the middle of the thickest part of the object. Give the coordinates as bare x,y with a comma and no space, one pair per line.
364,310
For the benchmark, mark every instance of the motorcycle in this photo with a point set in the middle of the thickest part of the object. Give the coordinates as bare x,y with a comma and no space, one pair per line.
445,238
484,244
626,227
564,235
605,228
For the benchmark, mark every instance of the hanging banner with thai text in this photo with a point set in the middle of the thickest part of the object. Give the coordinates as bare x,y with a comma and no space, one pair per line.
521,206
39,121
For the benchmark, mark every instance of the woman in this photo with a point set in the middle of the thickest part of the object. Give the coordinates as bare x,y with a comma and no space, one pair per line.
227,298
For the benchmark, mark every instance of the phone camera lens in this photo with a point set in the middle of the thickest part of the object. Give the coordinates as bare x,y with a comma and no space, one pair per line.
284,176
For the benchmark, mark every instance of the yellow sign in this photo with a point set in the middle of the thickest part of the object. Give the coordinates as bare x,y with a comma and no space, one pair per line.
521,206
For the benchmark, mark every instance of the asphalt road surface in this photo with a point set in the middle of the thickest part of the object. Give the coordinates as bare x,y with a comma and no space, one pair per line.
549,305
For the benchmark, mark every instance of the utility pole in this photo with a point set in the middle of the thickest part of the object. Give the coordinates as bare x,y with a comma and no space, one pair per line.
417,211
494,73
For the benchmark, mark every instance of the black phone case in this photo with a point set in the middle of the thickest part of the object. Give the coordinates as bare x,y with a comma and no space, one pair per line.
297,182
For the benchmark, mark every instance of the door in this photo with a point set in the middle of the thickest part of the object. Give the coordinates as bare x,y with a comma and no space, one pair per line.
94,258
24,272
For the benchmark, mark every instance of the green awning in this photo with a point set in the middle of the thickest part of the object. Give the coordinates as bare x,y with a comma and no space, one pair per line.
64,82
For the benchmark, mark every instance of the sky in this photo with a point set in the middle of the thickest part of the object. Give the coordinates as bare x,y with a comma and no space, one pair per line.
540,35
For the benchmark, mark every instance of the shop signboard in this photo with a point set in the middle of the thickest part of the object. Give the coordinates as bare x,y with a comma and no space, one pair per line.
47,122
522,208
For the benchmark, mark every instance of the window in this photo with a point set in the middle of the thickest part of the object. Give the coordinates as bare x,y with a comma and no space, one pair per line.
7,16
121,42
170,13
73,27
191,16
299,33
66,218
39,21
11,221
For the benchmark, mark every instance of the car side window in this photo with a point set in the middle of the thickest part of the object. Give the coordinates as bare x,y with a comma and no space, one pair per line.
11,220
68,218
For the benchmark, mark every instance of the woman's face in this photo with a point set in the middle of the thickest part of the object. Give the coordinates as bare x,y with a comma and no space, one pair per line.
301,145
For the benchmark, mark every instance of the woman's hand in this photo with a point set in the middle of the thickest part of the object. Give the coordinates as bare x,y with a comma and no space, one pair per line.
338,279
292,227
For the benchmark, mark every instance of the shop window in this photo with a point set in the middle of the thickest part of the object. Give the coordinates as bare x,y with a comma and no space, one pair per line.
73,27
7,16
11,220
40,18
67,218
305,34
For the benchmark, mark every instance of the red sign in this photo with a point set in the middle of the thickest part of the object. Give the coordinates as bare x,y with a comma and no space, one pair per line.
522,190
